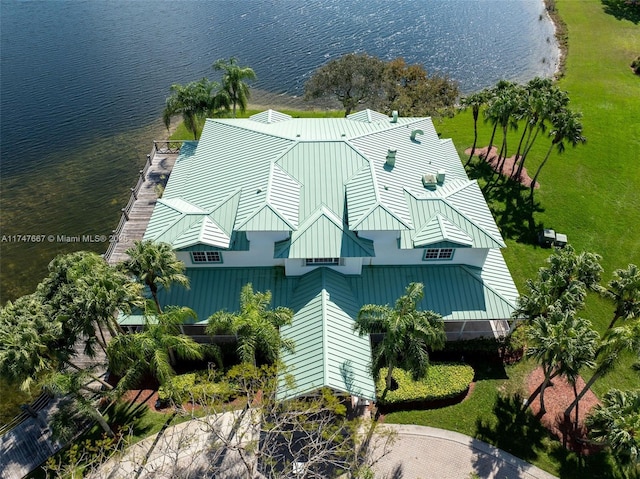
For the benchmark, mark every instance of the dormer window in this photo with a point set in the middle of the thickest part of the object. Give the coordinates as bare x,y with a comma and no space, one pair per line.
435,254
206,257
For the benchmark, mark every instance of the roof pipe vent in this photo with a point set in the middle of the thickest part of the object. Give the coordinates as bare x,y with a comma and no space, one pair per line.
391,158
394,116
414,133
440,176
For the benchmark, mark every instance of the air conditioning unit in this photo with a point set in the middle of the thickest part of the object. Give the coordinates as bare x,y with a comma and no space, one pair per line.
430,181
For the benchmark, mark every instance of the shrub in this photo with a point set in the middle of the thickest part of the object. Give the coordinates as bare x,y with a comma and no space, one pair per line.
196,388
443,381
635,64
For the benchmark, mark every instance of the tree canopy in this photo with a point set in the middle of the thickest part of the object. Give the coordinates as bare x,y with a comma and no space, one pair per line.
235,89
359,80
409,333
256,327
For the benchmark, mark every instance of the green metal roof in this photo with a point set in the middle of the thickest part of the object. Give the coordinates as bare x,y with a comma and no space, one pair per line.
272,172
328,352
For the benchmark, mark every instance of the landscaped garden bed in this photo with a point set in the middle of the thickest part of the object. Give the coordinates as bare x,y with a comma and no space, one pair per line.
444,385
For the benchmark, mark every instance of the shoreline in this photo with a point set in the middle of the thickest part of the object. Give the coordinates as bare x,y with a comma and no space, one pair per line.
561,35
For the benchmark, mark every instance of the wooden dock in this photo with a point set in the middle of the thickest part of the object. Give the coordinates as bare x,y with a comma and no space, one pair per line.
136,215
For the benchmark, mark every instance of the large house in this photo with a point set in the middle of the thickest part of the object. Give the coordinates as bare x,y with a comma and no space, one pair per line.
331,214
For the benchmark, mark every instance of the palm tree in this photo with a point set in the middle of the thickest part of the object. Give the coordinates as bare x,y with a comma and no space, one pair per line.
34,343
475,101
256,327
614,343
624,290
233,82
562,344
155,265
564,283
541,100
194,101
155,350
566,126
614,423
87,293
409,334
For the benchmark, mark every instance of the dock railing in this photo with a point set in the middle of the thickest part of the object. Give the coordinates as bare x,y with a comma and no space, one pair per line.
159,147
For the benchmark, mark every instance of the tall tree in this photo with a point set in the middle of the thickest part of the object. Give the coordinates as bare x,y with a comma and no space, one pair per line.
409,334
354,79
474,101
614,343
563,283
624,290
154,350
410,90
256,327
541,100
86,293
615,424
194,101
566,127
234,84
155,265
35,343
562,344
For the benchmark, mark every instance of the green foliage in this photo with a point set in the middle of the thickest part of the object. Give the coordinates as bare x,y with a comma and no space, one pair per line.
443,381
615,423
235,90
364,80
197,388
257,328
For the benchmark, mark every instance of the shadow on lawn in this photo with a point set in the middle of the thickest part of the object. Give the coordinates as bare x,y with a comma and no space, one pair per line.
623,9
516,431
509,203
520,433
131,415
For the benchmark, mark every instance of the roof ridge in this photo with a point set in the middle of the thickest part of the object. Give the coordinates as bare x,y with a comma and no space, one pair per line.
485,284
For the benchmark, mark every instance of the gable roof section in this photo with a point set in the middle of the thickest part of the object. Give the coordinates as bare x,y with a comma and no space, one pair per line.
368,116
462,230
440,229
270,116
328,353
322,235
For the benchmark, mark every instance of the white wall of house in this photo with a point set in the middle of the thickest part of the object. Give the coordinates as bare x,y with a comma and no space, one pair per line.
260,253
387,252
298,267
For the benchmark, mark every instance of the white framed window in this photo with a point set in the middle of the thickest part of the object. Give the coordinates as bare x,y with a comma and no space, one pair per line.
206,257
435,254
321,261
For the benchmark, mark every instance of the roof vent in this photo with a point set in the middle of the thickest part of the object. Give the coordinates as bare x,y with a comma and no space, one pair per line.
430,181
391,158
440,176
414,133
394,116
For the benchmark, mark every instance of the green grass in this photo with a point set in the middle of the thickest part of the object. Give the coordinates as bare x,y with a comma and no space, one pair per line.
182,133
493,413
591,193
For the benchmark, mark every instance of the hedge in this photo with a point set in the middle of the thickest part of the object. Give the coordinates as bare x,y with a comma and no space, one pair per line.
196,388
443,381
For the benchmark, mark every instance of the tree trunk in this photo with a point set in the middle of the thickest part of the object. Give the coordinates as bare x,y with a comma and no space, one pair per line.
526,151
475,136
535,178
154,293
545,382
567,412
95,378
616,316
103,423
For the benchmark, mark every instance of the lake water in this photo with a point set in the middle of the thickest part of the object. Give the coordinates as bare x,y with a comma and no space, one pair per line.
83,85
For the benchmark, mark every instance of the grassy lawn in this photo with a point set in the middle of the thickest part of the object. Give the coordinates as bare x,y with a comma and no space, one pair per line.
591,193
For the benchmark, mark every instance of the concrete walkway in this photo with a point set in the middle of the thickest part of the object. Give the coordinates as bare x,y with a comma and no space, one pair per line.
428,453
418,453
